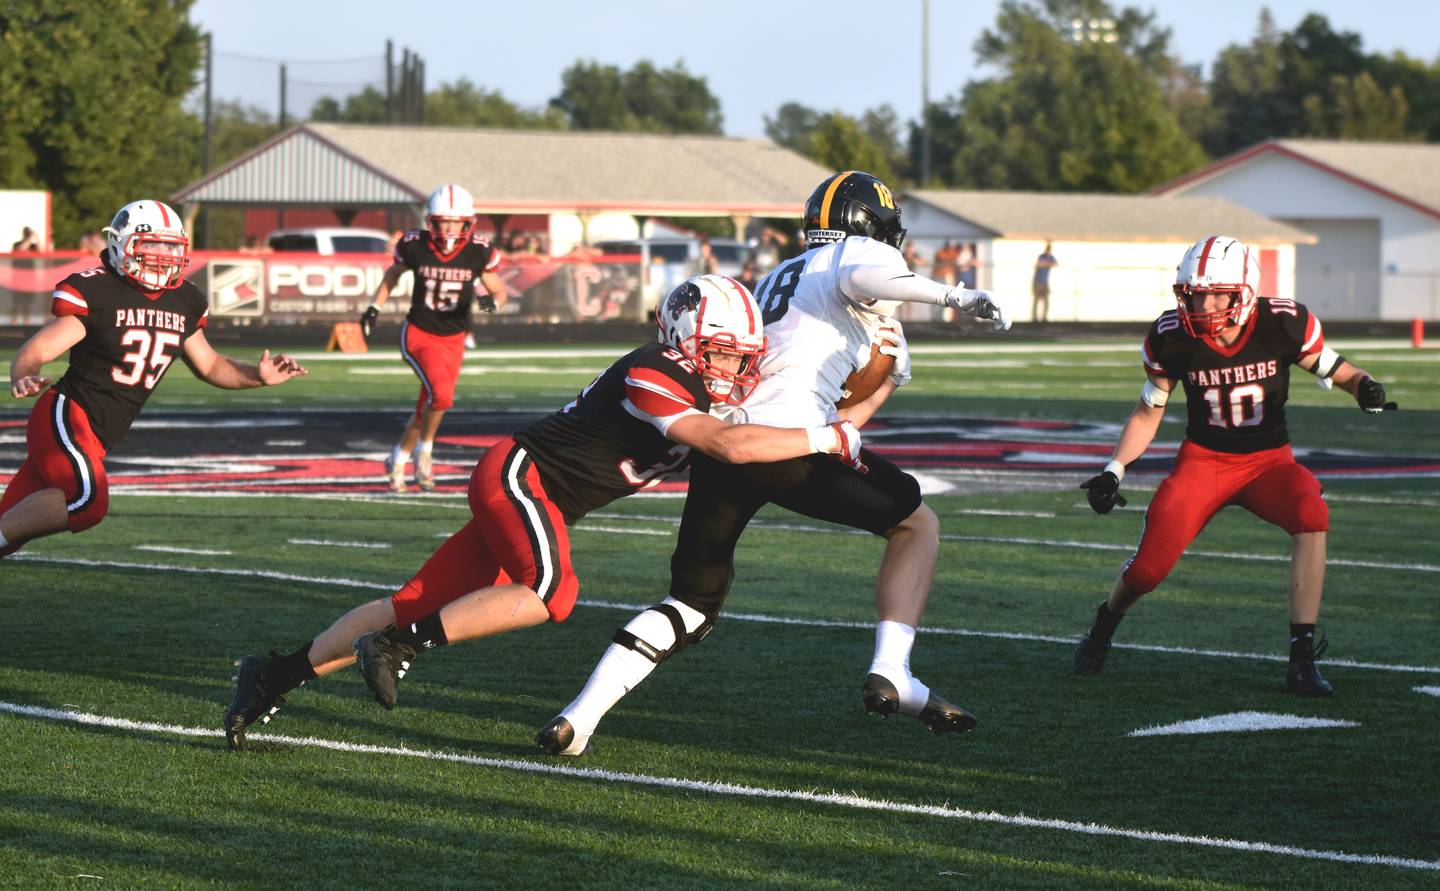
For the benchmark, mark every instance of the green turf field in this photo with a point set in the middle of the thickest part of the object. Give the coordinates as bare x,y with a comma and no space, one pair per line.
745,762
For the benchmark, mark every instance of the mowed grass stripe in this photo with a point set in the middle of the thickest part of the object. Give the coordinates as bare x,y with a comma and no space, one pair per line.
740,791
742,617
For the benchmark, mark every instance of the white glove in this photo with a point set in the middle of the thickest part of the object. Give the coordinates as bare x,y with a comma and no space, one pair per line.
978,304
841,439
891,338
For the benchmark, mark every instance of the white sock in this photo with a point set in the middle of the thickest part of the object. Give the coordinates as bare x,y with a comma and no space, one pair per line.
622,669
893,641
424,448
4,542
398,456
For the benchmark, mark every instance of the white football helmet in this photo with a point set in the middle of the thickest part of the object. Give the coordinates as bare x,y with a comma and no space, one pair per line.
146,243
716,323
1217,263
450,202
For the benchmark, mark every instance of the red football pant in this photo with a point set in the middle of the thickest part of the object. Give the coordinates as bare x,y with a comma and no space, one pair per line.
62,453
435,359
517,535
1269,484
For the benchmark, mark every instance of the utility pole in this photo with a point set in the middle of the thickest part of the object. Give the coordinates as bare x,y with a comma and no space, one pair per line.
389,81
924,93
209,128
282,96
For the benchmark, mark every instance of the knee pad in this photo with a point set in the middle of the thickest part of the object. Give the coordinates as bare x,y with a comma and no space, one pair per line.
664,629
1312,514
1141,577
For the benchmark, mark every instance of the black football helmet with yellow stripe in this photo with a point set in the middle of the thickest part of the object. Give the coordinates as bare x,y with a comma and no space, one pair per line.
852,203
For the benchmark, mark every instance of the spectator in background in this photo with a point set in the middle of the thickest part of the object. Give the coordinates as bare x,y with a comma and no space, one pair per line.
749,277
91,243
947,265
913,258
706,264
768,250
253,245
1041,286
29,242
967,265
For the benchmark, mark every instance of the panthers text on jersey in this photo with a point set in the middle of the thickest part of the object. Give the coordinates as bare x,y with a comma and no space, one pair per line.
816,334
1236,395
444,285
131,337
611,441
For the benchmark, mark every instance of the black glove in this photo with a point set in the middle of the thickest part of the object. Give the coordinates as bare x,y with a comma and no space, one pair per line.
1103,492
485,302
1371,397
368,318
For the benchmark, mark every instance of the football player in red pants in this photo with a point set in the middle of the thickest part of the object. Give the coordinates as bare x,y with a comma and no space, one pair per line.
123,321
1232,351
509,567
448,260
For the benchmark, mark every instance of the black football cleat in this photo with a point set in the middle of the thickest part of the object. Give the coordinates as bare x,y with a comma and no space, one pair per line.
881,698
558,738
252,702
1303,678
1090,654
383,661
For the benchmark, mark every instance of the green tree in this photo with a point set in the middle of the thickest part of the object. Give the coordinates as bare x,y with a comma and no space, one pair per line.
644,99
1079,110
1358,109
870,142
92,108
364,107
462,104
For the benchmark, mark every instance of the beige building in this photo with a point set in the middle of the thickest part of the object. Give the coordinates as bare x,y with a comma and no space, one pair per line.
1116,254
592,186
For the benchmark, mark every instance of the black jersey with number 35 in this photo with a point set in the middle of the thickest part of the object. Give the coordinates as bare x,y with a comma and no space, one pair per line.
611,441
131,337
444,285
1235,395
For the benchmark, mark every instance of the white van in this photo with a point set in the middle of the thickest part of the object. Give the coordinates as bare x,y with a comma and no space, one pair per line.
334,240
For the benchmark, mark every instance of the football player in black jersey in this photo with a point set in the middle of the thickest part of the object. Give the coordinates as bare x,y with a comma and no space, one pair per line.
123,321
1232,352
509,567
448,260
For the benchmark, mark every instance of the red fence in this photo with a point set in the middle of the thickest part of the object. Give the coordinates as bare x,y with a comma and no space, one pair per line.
290,288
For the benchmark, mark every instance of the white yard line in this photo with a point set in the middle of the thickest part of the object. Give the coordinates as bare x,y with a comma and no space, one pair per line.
167,549
1428,691
326,543
1066,640
736,790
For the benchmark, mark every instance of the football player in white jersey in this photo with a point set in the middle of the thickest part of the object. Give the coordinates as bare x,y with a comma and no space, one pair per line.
822,311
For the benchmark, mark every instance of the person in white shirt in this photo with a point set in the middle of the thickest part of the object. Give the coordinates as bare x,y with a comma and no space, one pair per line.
822,311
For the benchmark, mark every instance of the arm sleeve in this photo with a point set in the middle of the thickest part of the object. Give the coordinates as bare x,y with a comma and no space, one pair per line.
867,284
656,398
1150,358
492,260
66,301
1312,340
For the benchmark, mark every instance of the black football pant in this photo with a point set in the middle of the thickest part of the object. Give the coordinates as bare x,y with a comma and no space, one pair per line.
723,498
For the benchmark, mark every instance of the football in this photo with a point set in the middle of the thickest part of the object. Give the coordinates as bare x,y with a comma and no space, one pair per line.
863,382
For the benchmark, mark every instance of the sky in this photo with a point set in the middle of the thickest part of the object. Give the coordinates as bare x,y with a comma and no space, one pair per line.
848,55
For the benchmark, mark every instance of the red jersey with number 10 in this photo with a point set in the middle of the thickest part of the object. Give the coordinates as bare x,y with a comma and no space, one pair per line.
444,285
131,337
1236,395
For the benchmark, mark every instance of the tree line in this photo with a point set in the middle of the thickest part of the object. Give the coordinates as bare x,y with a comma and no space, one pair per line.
1081,95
